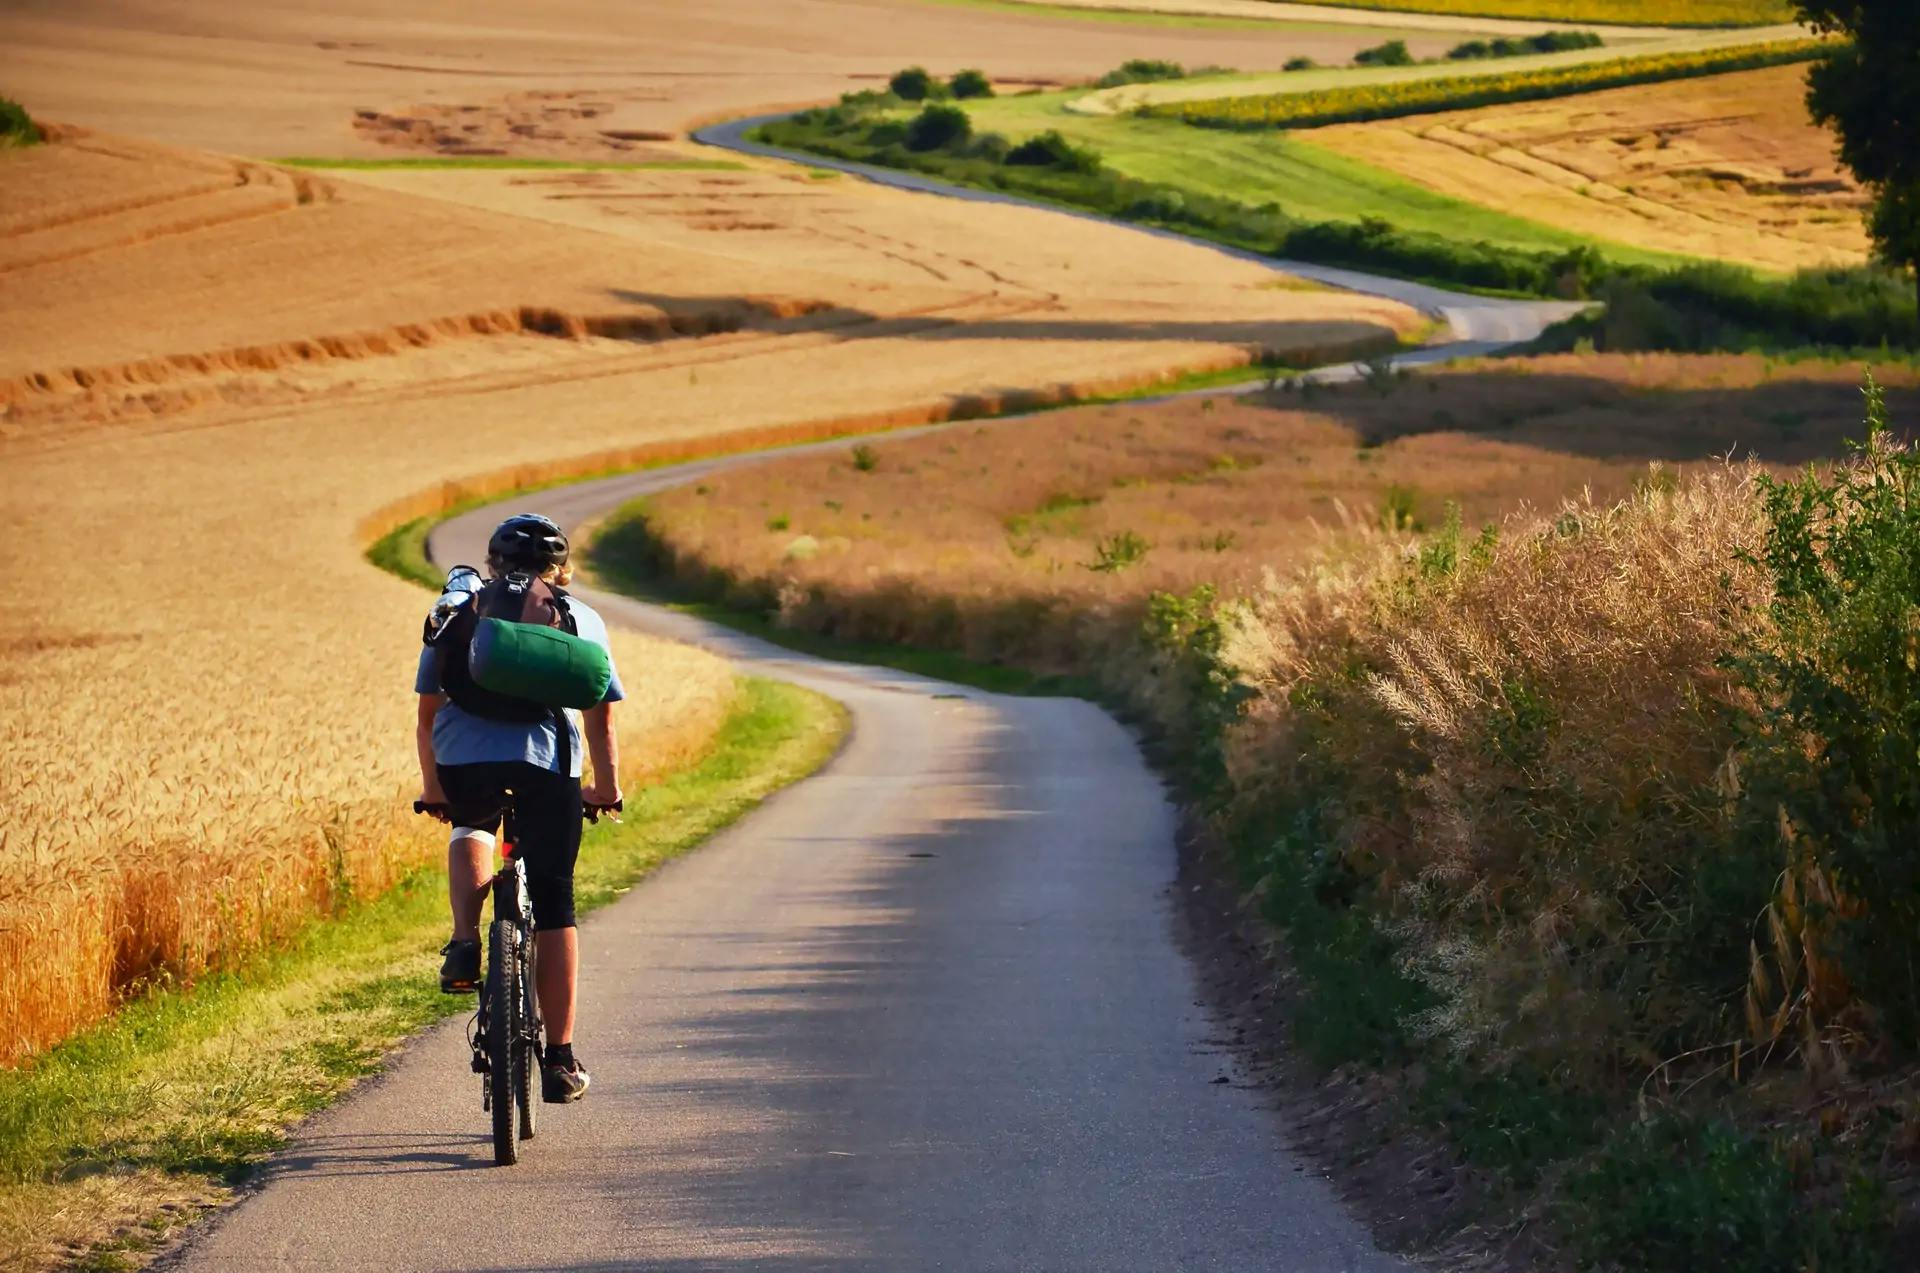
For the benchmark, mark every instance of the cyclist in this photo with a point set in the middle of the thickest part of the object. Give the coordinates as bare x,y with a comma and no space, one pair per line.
471,765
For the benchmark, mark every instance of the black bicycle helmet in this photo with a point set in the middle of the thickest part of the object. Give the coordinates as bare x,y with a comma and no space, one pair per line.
528,541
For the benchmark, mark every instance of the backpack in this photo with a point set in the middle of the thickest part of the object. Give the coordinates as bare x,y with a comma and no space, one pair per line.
510,649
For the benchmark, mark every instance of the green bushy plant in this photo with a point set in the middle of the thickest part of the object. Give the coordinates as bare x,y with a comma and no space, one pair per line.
1836,757
938,128
1051,150
1676,1194
16,126
1392,53
912,84
1141,71
970,83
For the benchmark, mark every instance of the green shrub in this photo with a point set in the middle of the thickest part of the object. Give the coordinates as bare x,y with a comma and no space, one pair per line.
16,126
911,85
1141,71
1674,1194
1392,53
1505,46
1300,64
971,83
991,147
1836,674
1051,150
1114,553
938,128
865,458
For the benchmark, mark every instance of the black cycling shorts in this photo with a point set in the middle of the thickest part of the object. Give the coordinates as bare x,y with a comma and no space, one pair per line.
546,819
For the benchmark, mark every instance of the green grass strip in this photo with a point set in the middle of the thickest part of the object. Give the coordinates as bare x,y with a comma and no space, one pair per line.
509,162
1362,102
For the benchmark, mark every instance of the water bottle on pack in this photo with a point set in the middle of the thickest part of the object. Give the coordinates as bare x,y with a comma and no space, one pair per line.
463,583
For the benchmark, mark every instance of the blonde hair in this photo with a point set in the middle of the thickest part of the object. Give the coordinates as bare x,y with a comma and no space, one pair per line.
559,576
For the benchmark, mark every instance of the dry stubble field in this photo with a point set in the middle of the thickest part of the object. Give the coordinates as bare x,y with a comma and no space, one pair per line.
1032,542
1728,167
219,378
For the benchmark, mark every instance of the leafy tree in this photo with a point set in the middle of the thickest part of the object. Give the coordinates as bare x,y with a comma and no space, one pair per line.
1869,90
938,127
912,84
971,84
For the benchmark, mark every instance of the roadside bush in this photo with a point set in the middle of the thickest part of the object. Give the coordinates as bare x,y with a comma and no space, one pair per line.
911,85
938,128
16,126
1832,781
1141,71
1546,42
1673,1193
1392,53
991,147
1300,64
1051,150
970,83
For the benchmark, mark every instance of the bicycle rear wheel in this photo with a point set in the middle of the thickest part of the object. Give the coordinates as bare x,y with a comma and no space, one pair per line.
504,1028
526,1052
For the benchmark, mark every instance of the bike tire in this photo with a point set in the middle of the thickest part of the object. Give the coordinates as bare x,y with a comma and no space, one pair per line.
503,1032
526,1056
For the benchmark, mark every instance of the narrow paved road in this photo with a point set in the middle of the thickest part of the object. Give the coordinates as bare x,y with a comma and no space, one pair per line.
921,1011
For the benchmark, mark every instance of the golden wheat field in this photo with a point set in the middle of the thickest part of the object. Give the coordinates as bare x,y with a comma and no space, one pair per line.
220,378
1012,541
1727,166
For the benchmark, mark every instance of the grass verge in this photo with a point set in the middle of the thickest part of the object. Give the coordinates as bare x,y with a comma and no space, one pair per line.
507,162
1667,13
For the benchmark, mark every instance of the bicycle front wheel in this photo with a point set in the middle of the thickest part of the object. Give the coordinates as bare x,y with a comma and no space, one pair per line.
504,1028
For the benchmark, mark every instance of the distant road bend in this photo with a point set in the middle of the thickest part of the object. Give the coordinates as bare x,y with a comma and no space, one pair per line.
922,1011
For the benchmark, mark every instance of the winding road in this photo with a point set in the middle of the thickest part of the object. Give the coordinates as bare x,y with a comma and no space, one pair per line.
924,1010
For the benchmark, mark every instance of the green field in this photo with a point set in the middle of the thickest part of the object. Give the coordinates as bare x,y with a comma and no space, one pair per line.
1309,182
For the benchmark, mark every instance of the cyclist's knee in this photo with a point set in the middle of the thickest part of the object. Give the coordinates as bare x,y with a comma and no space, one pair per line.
552,898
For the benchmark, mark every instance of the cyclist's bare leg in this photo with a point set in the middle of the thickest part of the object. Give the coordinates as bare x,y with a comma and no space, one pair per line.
556,974
469,859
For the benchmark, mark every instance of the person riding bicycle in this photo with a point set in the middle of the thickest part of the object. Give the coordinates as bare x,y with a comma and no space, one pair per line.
472,765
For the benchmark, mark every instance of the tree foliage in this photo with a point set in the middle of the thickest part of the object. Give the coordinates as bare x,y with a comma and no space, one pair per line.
1869,90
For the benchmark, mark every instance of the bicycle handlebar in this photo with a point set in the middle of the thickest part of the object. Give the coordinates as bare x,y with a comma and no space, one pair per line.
591,812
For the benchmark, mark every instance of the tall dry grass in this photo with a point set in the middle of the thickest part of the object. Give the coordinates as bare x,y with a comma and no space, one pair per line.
1522,752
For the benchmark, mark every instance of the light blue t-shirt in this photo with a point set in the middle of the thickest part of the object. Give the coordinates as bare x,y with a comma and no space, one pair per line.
461,738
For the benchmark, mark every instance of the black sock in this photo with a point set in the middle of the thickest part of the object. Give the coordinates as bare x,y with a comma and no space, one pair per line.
561,1054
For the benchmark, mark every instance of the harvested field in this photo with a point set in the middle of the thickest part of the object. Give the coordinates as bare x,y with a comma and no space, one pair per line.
1729,167
1035,540
214,417
307,71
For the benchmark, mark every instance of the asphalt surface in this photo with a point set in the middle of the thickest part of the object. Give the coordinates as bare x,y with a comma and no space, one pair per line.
924,1010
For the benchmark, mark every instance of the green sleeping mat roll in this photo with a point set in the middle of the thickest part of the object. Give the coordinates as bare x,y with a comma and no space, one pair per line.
544,665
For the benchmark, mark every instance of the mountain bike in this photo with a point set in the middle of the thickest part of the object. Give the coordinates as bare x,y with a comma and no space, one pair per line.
504,1034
